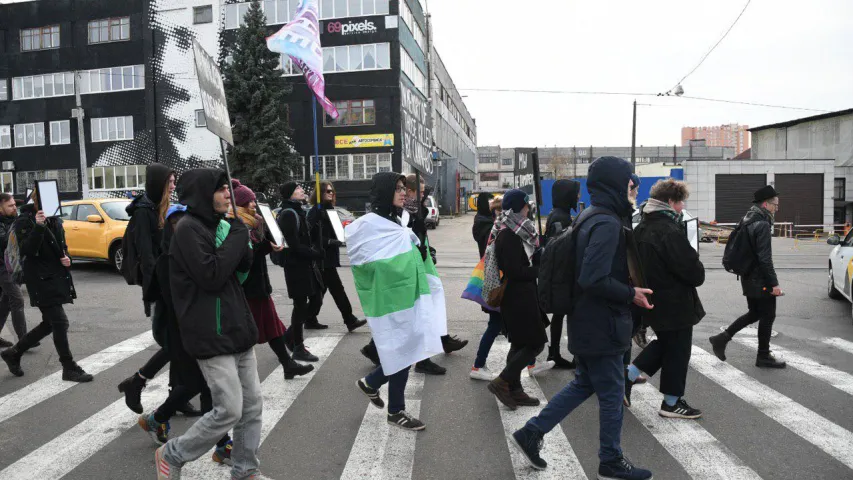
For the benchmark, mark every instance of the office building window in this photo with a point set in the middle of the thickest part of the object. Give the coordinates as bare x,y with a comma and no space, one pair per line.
4,89
41,86
352,8
354,58
506,162
353,112
840,190
490,177
288,68
276,11
109,30
67,179
352,167
5,136
203,14
29,135
115,79
111,129
127,177
409,19
60,132
200,119
43,38
6,182
412,71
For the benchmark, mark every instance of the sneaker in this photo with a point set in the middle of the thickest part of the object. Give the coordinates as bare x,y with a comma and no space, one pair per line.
405,421
767,360
680,410
223,454
294,369
355,323
482,373
165,470
372,393
540,367
429,367
622,469
13,361
6,343
453,344
629,385
73,373
303,355
159,432
529,442
522,399
561,363
315,325
369,351
132,387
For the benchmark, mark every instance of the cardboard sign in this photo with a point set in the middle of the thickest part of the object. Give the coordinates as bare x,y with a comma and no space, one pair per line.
48,197
212,92
272,225
693,232
337,225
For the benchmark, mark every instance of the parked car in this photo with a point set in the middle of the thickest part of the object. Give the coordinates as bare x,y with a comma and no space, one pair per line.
94,229
432,219
840,267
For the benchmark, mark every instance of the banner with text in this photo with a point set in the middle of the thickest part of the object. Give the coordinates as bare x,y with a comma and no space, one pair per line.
364,141
212,94
417,132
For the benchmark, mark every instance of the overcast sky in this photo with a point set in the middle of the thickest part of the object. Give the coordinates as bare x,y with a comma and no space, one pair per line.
783,52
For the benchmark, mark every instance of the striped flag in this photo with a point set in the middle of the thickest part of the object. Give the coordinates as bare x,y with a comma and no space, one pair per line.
300,40
400,293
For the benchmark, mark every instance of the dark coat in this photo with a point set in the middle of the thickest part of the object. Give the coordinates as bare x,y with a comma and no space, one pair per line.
564,195
601,323
672,270
147,239
483,222
761,280
321,230
301,258
42,248
211,308
257,285
520,305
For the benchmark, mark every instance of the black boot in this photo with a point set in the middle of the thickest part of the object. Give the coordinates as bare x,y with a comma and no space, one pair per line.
73,373
302,354
315,324
12,357
452,344
132,387
6,343
354,323
293,369
561,363
188,410
429,367
719,343
370,352
767,360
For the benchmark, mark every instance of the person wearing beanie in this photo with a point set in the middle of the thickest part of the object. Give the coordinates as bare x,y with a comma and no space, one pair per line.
760,286
302,272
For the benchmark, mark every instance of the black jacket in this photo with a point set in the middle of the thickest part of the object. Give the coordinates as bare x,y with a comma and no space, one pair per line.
321,231
601,323
483,222
564,196
301,258
520,305
257,285
42,248
761,280
672,270
382,190
211,308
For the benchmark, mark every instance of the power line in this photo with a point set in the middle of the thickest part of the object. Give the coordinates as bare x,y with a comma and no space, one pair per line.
754,104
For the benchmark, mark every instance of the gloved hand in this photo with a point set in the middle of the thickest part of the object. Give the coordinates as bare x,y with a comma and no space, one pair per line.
432,254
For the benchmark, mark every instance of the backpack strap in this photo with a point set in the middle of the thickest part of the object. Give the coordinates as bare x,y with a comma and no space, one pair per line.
296,215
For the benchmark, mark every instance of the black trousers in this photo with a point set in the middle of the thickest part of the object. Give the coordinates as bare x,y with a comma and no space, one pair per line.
332,283
53,321
519,357
557,334
763,311
303,311
185,375
669,353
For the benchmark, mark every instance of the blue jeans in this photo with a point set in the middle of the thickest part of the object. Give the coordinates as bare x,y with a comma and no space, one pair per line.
489,336
603,376
396,387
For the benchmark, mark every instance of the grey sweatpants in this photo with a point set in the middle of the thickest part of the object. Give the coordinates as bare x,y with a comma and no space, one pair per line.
237,403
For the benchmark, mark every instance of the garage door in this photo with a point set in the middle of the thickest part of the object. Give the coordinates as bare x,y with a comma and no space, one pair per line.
801,198
734,194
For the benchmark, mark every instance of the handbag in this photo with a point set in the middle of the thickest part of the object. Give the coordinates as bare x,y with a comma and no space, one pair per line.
496,295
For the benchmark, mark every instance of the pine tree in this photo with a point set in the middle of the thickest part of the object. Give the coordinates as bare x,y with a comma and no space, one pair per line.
263,156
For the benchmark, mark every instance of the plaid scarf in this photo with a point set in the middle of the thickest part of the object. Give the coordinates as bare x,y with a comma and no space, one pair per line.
653,205
521,226
411,205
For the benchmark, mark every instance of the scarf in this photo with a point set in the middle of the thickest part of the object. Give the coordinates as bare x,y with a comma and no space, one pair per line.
521,226
254,222
763,211
653,205
411,205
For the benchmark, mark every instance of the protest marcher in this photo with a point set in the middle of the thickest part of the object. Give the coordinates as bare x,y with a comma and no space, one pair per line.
216,325
482,230
672,269
11,299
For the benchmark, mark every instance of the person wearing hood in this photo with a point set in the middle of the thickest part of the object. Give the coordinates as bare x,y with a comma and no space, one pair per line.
673,270
147,214
12,299
321,228
215,324
565,195
257,286
600,330
301,270
484,221
41,241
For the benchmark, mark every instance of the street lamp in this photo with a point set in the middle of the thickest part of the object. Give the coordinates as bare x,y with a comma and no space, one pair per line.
678,91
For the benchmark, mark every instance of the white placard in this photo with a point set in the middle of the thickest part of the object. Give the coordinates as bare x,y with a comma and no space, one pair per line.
29,196
48,197
269,219
337,225
693,233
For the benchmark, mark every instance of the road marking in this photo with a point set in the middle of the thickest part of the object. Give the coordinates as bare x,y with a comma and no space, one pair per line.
561,458
820,432
838,379
380,450
840,344
64,453
45,388
702,456
279,394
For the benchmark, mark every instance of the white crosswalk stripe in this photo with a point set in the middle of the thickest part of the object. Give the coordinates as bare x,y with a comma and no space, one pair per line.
840,344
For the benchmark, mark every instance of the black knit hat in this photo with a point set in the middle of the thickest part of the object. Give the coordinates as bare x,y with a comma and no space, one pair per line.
287,190
765,193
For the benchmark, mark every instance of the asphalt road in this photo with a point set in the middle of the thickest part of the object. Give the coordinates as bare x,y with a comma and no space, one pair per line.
790,424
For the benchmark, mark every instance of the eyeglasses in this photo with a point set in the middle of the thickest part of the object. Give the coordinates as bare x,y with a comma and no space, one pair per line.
330,191
400,190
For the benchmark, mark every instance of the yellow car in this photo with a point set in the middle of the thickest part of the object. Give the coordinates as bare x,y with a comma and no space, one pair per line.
94,229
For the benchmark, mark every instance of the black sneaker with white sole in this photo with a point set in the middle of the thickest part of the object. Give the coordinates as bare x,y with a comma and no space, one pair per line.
680,410
405,421
530,442
371,393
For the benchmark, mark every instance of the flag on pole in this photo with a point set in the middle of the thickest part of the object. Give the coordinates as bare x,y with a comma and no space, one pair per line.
300,40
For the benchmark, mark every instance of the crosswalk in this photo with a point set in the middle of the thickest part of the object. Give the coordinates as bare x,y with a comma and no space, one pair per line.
756,404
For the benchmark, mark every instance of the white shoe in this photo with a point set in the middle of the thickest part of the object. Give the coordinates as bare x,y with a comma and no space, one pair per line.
482,374
540,367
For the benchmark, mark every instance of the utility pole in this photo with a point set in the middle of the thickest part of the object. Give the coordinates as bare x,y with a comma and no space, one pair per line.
80,114
634,138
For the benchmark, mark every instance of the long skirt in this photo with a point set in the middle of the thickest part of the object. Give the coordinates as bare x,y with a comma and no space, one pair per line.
266,318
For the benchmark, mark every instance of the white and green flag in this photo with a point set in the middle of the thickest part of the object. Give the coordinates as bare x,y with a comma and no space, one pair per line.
401,295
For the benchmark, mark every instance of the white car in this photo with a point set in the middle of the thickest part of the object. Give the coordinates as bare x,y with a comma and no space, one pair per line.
432,218
840,267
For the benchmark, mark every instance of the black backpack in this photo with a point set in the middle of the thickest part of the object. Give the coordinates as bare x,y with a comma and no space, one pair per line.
739,255
557,279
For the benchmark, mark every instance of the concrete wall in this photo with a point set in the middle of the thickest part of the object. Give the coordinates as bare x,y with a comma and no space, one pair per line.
826,138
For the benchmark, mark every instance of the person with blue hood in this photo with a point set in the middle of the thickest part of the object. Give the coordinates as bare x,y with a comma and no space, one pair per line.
601,324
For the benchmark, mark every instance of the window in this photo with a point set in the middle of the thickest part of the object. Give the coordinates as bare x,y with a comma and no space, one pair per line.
112,128
84,210
6,182
116,210
60,132
276,11
65,213
67,180
353,167
507,162
114,79
40,38
200,119
353,112
126,177
488,159
353,58
29,135
409,19
4,89
288,67
490,177
203,14
109,30
352,8
412,71
5,136
840,189
41,86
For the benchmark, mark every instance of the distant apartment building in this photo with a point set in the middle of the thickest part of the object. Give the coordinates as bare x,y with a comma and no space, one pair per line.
731,135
